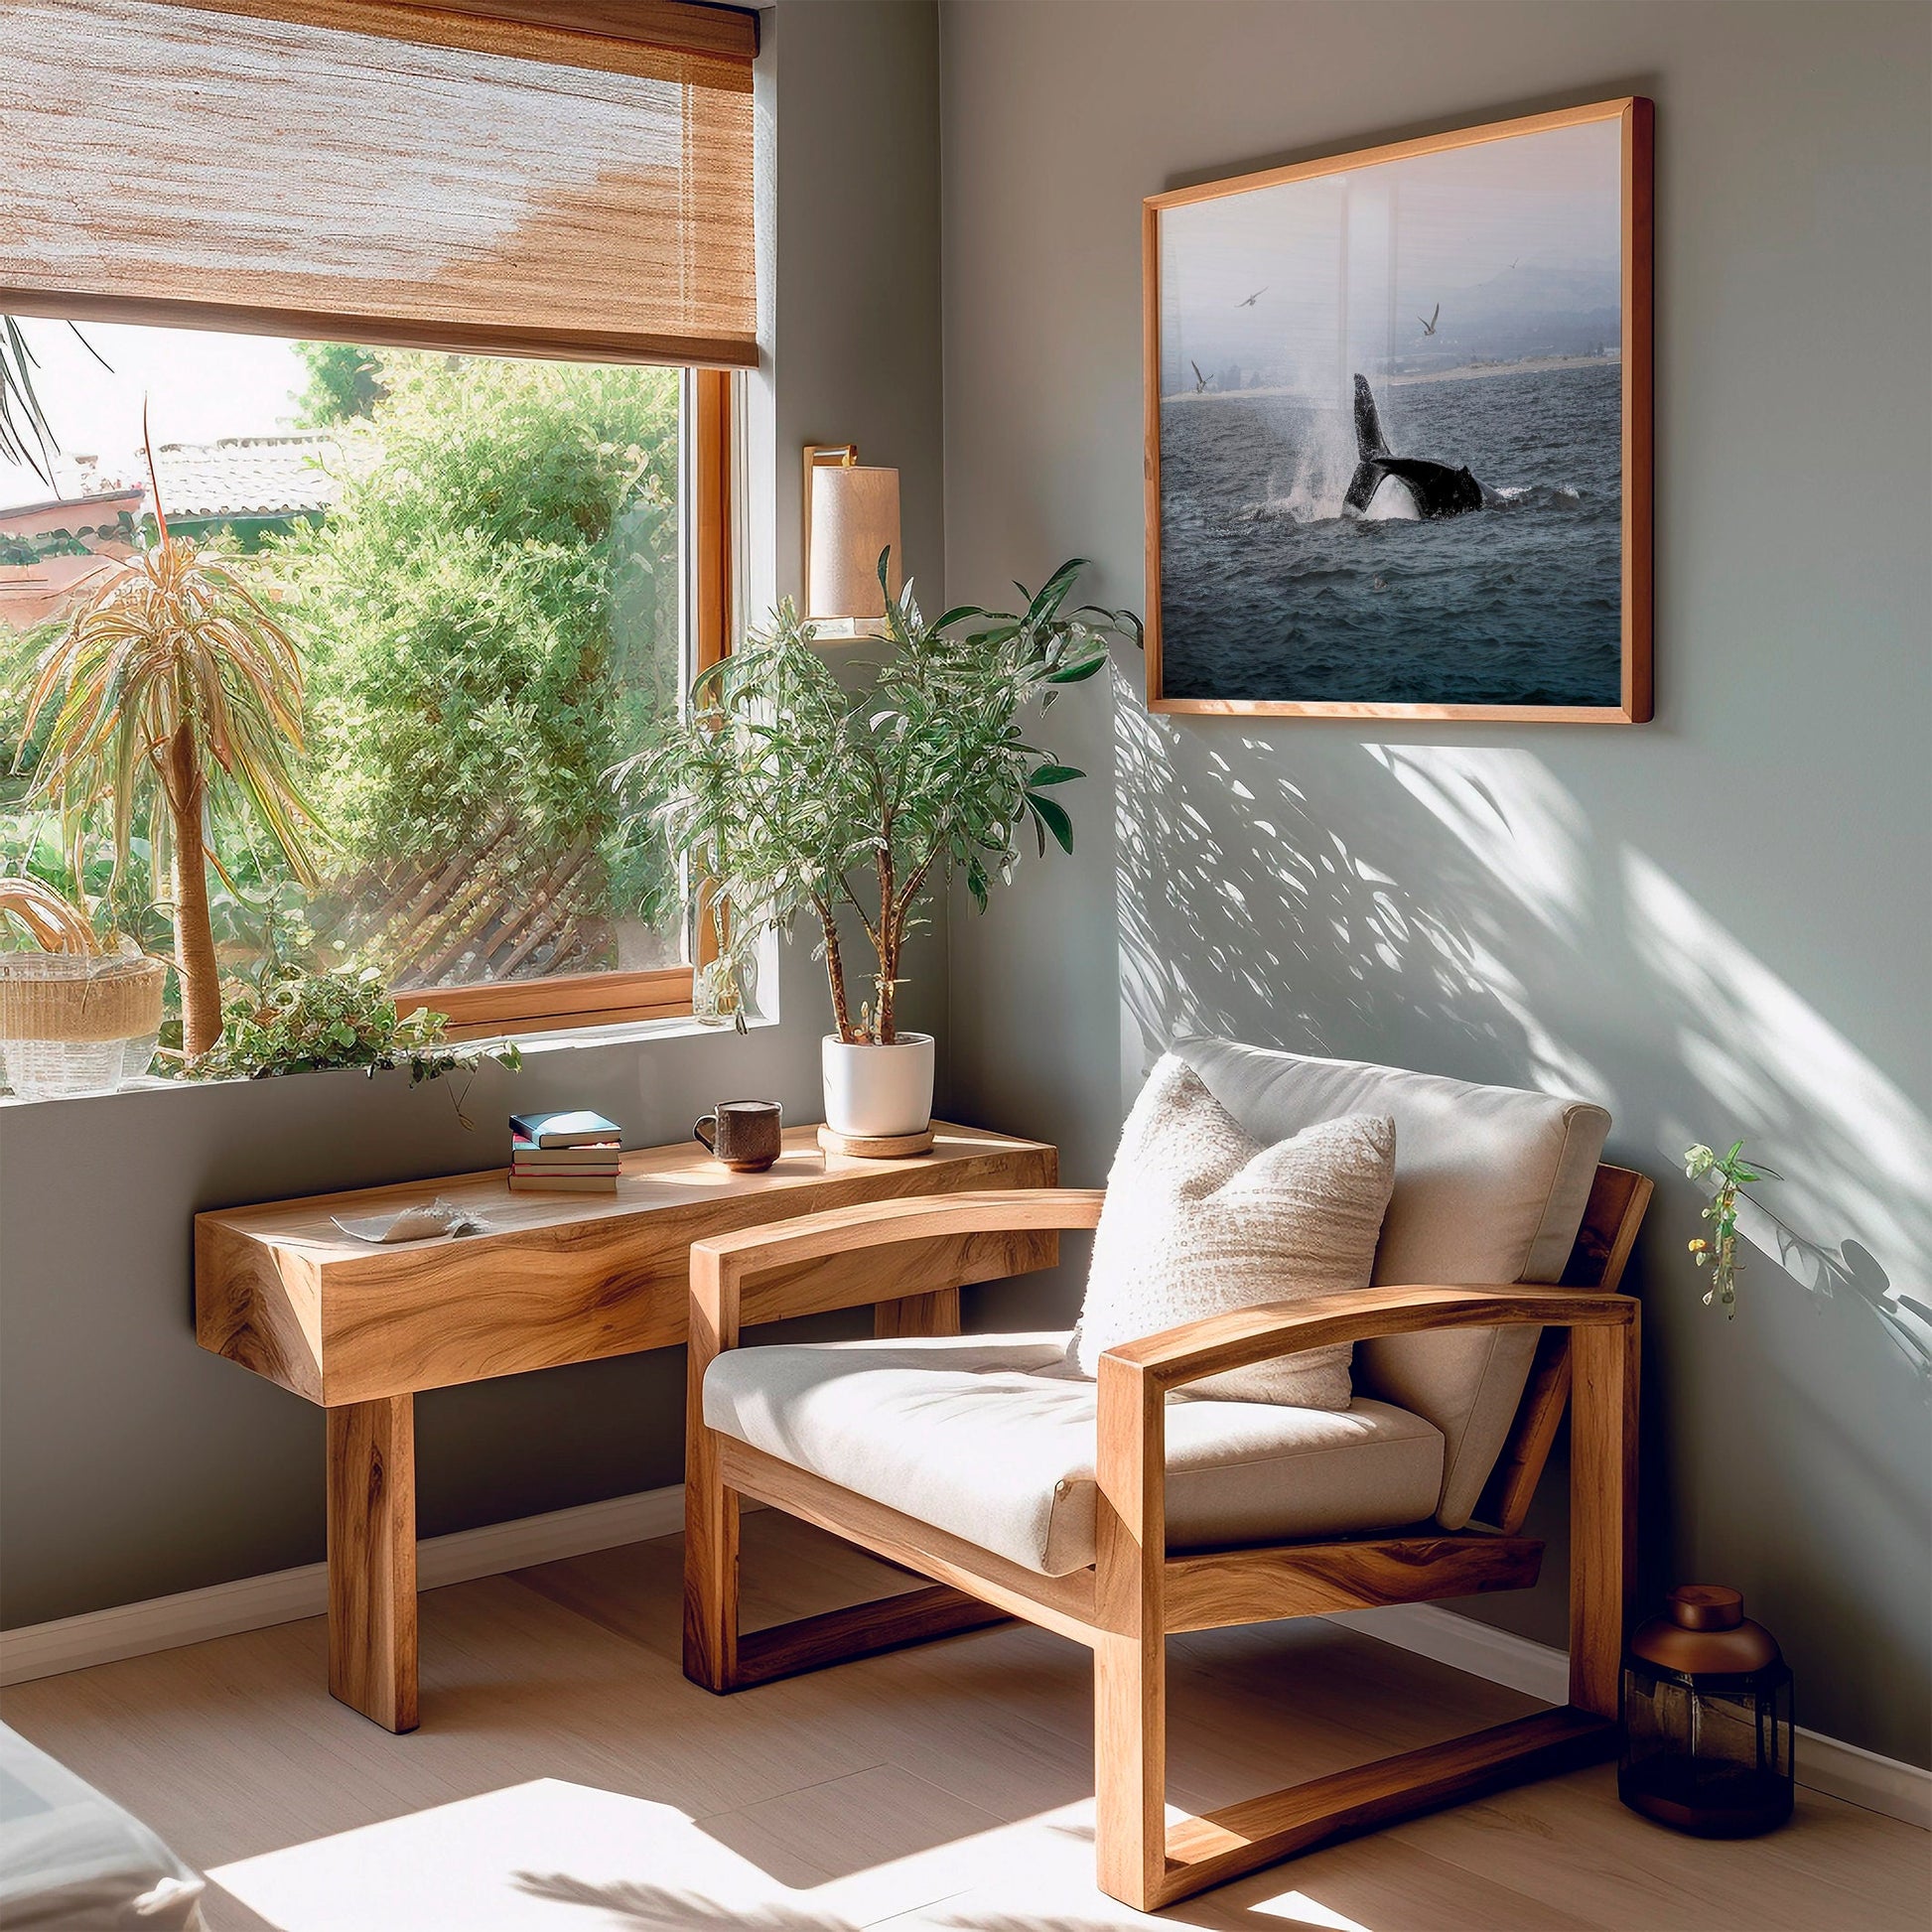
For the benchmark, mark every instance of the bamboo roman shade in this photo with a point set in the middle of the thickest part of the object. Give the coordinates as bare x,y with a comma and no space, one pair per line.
469,177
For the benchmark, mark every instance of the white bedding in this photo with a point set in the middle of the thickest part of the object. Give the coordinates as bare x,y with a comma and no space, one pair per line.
71,1859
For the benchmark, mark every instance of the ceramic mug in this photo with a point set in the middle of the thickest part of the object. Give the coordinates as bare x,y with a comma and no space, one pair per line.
745,1135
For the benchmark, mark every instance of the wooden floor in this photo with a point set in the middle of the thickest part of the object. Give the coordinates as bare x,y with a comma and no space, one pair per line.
567,1776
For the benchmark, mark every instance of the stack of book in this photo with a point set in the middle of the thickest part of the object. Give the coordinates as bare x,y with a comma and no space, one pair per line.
564,1153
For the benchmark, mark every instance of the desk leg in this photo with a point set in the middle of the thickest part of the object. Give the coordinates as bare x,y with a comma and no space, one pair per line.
372,1558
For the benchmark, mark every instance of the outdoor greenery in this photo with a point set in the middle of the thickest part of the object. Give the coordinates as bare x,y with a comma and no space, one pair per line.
292,1022
475,632
481,606
174,698
345,381
796,794
24,436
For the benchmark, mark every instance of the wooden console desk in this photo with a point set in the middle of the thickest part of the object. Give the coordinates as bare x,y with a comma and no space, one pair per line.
558,1278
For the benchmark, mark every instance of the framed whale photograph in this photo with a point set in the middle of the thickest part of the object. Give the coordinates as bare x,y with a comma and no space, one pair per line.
1398,421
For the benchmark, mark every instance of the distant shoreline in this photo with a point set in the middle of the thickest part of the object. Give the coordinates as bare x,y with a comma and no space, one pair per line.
1468,372
1529,364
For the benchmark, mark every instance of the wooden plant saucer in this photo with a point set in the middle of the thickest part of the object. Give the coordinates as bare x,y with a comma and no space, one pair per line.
877,1147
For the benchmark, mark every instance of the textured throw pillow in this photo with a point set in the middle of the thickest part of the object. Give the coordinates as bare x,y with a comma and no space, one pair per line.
1201,1219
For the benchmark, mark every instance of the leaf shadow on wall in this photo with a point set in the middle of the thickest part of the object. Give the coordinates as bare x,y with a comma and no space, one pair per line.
1455,909
1470,922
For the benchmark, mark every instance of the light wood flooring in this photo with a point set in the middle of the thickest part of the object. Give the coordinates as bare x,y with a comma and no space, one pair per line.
567,1776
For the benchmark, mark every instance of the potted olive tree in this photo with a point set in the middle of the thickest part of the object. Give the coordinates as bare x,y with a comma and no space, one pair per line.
789,792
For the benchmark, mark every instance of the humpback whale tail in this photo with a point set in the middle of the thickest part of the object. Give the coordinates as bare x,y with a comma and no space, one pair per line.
1411,486
1370,441
1369,446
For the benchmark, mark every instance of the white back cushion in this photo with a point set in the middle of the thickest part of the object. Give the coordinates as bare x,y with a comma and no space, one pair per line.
1203,1219
1490,1186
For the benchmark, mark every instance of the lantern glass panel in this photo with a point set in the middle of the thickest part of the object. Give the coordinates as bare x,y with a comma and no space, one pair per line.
1711,1756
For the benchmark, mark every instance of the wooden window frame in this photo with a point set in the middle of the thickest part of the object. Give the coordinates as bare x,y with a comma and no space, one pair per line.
702,30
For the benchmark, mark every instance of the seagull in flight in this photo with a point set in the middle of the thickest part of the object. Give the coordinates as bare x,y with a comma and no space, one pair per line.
1201,381
1256,297
1429,326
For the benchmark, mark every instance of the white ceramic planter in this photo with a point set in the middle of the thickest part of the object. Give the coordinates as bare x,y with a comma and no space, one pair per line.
878,1091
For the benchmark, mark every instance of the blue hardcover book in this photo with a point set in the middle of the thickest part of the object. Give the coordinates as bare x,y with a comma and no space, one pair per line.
565,1130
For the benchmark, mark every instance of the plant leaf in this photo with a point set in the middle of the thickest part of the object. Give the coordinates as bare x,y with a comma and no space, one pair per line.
1056,820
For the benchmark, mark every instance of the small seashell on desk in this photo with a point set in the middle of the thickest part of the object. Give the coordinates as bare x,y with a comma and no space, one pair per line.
426,1221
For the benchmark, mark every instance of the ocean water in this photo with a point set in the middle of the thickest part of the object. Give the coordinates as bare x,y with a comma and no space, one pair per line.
1266,591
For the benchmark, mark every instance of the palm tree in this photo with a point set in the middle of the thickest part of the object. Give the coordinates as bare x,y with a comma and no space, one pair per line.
24,433
181,693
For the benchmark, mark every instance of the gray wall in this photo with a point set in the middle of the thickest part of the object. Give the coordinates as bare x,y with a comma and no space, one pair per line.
133,1464
1716,924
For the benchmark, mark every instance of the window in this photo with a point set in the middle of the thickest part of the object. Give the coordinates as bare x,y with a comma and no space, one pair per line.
458,391
497,573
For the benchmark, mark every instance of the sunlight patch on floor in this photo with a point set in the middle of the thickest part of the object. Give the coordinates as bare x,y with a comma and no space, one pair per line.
1299,1910
550,1854
532,1857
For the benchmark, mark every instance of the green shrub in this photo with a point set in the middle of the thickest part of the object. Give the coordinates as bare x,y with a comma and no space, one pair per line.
485,605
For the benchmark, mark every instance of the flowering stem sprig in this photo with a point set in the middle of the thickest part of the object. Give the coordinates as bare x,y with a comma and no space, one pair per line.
1720,1253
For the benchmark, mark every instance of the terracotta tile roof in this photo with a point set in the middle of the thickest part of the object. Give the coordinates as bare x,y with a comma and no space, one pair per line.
246,476
240,475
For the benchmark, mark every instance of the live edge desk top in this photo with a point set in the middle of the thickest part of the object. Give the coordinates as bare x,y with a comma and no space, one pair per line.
559,1278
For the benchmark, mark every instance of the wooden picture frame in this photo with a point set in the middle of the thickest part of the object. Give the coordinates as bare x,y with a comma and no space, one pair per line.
1173,680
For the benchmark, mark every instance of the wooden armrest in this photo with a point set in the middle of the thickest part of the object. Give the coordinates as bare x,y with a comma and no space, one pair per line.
874,1224
721,1267
1219,1342
1135,1377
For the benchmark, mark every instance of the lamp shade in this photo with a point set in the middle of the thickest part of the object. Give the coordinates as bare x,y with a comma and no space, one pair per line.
855,515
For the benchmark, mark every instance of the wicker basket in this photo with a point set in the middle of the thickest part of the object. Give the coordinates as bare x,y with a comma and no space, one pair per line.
73,1023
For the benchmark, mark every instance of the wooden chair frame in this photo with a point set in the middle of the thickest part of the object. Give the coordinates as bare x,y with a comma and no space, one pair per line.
1136,1594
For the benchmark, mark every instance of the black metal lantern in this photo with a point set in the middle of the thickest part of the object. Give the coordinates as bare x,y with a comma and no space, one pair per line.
1707,1719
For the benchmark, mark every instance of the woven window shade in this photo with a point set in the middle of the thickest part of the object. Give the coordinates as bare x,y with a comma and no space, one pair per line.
383,173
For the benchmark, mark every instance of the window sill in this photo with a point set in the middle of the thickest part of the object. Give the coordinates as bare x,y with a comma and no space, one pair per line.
562,1039
620,1032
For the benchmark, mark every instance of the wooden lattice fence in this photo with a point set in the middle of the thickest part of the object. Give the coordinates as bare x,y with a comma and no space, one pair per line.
489,911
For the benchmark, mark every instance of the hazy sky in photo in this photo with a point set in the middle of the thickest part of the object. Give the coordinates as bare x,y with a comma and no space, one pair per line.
1542,207
200,386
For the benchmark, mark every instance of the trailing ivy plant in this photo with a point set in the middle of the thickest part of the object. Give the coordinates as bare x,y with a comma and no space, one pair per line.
790,793
293,1022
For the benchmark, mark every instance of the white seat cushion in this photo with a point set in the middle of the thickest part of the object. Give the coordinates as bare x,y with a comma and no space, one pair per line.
978,1435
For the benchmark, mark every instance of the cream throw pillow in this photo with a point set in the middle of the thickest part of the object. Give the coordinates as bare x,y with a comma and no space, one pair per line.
1201,1219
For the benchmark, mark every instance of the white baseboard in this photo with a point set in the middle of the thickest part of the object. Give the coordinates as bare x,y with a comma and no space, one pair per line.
283,1595
1839,1770
1826,1765
1460,1642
